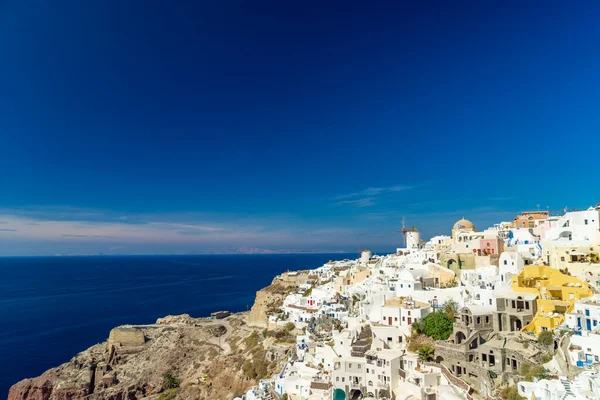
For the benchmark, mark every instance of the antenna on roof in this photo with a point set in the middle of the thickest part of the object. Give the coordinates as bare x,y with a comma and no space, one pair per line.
403,231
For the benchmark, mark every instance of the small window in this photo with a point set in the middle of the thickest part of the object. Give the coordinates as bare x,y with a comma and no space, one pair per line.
562,259
505,262
585,222
359,366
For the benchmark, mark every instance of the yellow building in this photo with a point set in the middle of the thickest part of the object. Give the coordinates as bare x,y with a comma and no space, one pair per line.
557,294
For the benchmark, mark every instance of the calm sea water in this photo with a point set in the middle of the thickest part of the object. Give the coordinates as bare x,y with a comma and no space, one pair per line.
53,307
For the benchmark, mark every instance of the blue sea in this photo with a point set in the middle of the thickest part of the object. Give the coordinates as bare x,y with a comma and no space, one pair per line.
51,308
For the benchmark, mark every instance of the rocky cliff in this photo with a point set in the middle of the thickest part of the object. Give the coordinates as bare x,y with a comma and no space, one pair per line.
209,359
270,298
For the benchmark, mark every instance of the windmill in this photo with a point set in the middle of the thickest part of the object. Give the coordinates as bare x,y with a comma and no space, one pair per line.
403,231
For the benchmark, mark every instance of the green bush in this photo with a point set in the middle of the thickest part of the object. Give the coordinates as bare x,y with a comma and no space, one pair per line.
530,372
289,327
169,381
546,338
437,325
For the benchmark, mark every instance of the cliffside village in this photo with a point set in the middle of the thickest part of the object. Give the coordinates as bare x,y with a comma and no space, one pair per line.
521,297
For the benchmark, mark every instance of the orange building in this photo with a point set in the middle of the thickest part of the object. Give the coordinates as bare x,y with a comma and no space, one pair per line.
528,219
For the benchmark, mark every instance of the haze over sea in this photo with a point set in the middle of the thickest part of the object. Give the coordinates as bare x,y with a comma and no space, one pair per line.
51,308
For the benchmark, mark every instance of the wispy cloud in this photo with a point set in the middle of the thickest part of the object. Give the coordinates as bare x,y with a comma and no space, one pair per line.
366,197
363,202
374,191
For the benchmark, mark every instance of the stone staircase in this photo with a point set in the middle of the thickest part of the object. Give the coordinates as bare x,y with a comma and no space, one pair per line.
568,390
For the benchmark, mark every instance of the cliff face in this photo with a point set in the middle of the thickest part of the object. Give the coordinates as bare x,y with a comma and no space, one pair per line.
270,298
211,359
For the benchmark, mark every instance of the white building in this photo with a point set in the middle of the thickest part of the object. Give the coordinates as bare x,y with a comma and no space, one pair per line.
545,389
349,374
295,379
382,368
511,263
584,349
585,314
577,225
403,312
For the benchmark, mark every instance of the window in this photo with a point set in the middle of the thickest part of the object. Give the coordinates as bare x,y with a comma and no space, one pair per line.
562,259
349,365
359,366
403,318
505,262
585,222
490,302
487,319
337,378
395,318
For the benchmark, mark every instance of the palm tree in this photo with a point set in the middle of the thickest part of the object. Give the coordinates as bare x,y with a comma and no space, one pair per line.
426,353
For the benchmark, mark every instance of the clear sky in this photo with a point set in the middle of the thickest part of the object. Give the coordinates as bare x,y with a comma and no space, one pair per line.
159,127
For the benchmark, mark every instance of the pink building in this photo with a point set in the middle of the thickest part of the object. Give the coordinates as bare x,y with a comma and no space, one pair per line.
490,246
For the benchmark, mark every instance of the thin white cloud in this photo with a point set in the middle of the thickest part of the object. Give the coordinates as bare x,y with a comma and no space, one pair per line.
368,196
374,191
364,202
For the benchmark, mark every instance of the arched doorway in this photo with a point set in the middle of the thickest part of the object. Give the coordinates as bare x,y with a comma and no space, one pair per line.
515,324
355,394
460,337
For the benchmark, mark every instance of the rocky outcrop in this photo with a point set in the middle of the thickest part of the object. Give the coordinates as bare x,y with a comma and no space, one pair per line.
269,299
212,359
176,319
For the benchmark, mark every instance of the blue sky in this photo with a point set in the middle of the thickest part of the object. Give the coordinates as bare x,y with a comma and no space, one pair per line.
149,127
